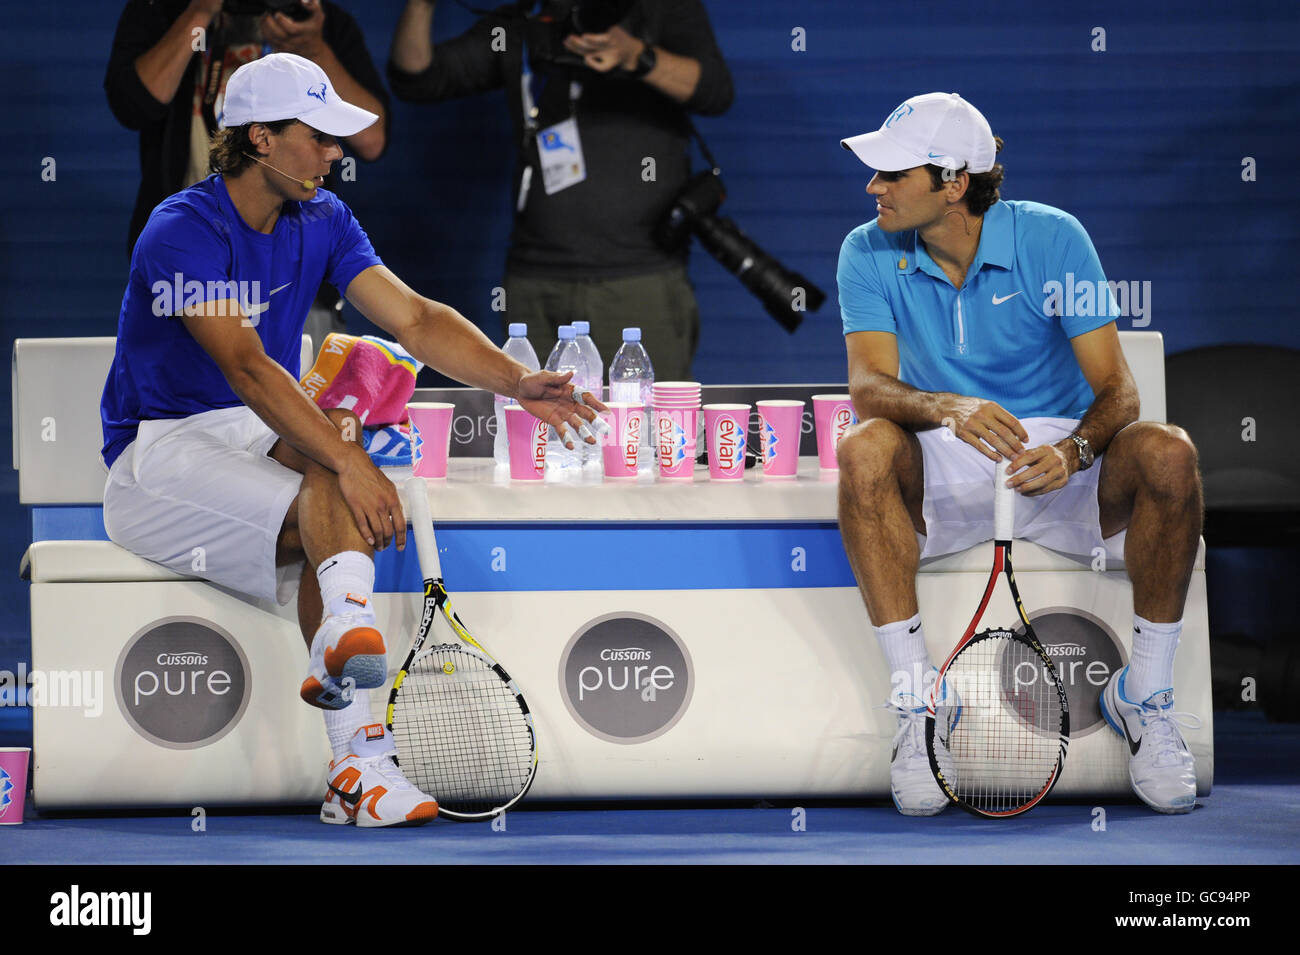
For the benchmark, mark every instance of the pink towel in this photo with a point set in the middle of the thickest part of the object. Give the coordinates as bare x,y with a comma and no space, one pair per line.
367,375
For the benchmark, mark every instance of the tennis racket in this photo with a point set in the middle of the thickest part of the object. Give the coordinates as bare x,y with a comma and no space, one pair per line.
463,730
997,725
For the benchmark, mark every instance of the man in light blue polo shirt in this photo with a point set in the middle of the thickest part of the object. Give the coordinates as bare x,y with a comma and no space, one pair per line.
981,335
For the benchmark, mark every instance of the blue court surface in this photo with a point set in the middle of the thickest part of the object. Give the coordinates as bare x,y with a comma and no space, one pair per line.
1252,817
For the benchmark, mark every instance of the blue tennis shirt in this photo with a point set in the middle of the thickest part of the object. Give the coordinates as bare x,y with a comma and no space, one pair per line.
197,248
1036,282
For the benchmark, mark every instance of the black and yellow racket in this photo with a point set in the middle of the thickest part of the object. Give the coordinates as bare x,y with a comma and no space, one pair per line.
463,730
998,733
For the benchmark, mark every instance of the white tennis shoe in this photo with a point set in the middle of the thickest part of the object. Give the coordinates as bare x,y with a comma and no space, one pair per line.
911,783
347,653
367,789
1160,766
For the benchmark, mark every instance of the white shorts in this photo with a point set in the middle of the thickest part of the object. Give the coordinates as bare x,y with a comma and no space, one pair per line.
958,503
199,496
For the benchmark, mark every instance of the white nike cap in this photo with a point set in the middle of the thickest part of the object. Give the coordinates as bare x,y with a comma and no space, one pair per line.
287,86
937,128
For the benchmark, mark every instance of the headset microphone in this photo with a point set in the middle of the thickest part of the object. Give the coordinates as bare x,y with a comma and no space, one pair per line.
305,183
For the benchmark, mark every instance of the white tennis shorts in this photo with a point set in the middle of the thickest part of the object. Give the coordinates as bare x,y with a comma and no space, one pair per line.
958,503
199,496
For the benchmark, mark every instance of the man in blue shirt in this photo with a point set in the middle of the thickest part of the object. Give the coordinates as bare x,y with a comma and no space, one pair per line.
219,463
981,335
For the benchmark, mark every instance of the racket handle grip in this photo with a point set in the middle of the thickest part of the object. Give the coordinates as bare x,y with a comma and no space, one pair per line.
417,509
1004,504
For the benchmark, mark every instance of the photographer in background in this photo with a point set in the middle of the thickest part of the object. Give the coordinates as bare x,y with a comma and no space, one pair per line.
167,78
598,91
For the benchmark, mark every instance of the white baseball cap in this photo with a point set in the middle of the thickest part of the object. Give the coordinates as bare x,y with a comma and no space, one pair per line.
288,86
937,128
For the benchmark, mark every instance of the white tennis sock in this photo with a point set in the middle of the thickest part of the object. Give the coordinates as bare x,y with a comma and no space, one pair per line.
342,725
903,644
347,581
1151,667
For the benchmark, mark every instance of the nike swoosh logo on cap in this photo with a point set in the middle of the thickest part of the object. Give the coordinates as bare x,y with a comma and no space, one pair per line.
1005,298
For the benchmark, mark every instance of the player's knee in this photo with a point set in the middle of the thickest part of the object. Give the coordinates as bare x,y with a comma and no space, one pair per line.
1170,460
347,422
868,449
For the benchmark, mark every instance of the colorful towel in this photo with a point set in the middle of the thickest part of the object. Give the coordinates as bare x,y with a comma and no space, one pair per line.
389,447
367,375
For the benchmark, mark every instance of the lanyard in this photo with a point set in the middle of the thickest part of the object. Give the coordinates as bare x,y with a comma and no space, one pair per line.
529,98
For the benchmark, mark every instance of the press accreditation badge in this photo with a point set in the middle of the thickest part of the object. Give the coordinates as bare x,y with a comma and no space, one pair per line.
560,151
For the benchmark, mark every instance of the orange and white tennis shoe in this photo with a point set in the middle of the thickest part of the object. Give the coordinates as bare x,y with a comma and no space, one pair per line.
347,653
367,789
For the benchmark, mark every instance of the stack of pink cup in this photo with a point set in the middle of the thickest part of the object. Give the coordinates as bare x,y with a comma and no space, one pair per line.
676,406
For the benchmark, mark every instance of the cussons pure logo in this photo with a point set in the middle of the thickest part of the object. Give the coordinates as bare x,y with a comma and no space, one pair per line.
1085,652
729,438
182,682
626,678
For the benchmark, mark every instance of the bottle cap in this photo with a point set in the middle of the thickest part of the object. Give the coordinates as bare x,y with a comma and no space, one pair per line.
568,333
518,330
582,328
631,334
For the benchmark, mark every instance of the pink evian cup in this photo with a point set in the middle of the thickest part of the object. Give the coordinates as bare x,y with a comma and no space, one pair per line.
13,783
430,437
622,446
725,427
675,441
780,428
832,415
526,437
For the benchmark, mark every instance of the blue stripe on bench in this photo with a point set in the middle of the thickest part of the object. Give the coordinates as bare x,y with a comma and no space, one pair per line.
613,556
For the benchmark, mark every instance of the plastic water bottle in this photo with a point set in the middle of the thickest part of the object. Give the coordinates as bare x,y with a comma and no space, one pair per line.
632,377
566,356
595,382
595,364
518,348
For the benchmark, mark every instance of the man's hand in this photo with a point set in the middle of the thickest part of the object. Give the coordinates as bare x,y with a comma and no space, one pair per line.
373,500
1042,469
986,426
549,396
287,35
605,51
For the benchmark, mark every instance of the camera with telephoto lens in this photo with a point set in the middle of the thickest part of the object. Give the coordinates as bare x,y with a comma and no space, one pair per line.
778,288
558,20
255,8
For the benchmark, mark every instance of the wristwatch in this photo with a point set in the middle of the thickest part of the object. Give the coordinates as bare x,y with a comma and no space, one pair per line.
1085,451
646,61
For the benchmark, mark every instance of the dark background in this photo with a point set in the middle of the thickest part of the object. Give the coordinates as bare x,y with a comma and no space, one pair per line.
1144,143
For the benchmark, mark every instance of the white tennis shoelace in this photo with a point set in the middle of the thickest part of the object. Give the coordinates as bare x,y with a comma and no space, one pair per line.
1161,726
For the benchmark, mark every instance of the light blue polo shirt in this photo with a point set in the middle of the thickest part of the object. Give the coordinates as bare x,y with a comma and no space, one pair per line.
1036,282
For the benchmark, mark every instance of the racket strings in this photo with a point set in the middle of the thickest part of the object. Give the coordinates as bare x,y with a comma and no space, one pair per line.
1003,725
460,732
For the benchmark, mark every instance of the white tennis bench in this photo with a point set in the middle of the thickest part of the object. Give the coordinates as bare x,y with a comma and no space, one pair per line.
804,728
